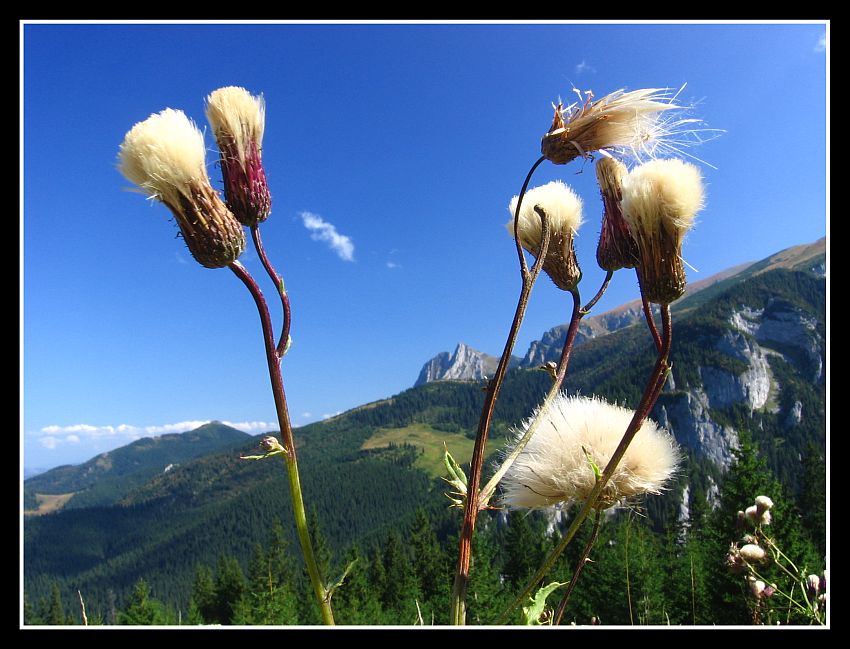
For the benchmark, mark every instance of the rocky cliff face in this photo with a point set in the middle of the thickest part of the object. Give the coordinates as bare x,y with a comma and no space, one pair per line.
465,364
754,335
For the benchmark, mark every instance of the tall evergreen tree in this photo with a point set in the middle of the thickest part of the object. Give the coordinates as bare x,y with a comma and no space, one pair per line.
356,601
524,549
229,587
142,609
56,612
429,565
486,597
203,594
400,589
747,478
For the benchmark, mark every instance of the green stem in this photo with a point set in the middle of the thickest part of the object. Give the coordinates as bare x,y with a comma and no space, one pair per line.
457,615
650,396
288,440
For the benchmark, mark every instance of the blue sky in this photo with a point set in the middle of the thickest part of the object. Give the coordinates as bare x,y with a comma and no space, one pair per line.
403,143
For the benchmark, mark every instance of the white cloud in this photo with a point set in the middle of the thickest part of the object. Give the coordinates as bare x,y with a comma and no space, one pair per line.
584,67
179,427
392,264
321,230
252,426
306,415
53,435
820,46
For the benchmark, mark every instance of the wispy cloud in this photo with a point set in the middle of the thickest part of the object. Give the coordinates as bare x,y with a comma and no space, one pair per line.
321,230
820,46
51,437
583,67
392,264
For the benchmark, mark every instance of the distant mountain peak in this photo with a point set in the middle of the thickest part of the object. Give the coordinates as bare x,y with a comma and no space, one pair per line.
465,364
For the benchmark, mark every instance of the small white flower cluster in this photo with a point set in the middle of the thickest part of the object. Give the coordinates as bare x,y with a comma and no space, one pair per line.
758,514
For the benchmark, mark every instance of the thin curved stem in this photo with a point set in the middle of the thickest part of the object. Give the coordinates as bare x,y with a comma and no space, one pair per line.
647,313
283,341
472,506
298,510
560,374
587,307
594,534
651,392
523,265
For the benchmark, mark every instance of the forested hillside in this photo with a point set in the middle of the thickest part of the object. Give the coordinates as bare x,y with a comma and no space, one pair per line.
212,541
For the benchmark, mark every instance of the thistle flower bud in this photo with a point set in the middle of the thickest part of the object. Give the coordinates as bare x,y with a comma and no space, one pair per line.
575,433
752,514
619,121
757,586
616,247
812,586
238,120
749,538
563,212
734,562
763,503
753,553
660,200
164,156
269,444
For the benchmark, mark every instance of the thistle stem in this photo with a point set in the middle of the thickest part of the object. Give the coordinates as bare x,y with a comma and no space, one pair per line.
283,342
650,396
647,313
472,506
560,373
579,567
288,440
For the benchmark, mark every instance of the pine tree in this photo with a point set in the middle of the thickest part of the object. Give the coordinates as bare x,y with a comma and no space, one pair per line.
56,612
229,587
356,601
429,566
747,478
524,550
30,616
400,590
203,595
486,598
142,609
813,497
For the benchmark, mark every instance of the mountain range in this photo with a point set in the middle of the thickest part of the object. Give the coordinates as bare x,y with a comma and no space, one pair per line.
749,354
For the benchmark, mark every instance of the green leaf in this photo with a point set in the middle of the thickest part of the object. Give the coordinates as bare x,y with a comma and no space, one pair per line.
330,589
531,614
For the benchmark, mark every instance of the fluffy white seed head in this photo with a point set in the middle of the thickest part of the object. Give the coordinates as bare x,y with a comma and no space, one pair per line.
237,113
555,466
164,155
753,553
763,503
563,209
662,195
